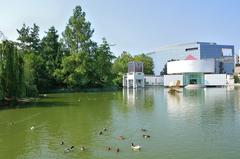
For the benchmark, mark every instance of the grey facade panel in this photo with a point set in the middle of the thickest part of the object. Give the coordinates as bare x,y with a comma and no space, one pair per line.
217,52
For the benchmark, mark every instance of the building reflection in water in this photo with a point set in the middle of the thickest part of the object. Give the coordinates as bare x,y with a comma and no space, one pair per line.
129,96
209,108
138,97
237,99
190,103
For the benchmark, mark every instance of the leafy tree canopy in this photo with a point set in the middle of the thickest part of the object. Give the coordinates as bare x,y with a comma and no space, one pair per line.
78,32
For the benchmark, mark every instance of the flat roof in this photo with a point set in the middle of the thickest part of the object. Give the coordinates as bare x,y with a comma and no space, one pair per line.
183,44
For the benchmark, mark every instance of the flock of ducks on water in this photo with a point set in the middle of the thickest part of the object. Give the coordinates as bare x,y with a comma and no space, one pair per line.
83,148
133,146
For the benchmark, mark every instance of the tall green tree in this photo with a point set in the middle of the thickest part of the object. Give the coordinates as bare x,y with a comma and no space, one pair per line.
51,53
24,38
103,65
34,38
77,34
28,38
11,73
78,70
35,74
29,43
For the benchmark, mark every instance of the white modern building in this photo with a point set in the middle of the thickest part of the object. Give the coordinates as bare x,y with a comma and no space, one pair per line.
198,63
135,76
193,71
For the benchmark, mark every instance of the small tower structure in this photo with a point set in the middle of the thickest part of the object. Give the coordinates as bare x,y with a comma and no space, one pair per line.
135,76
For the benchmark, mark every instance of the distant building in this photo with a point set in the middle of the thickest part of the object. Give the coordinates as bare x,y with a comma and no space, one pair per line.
135,76
192,71
197,63
223,55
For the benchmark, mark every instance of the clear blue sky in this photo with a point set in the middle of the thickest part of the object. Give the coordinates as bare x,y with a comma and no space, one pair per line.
137,25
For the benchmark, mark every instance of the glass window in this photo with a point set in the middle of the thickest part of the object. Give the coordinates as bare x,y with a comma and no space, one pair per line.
226,52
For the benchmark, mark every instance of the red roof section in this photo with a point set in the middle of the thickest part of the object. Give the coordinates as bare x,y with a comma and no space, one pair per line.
190,57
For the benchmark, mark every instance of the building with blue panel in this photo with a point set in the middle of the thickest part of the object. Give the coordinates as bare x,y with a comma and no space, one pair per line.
222,54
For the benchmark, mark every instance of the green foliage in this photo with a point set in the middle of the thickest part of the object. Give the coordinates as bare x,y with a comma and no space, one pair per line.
34,38
78,70
73,70
120,66
78,32
51,53
29,40
236,79
121,63
42,57
11,73
30,47
24,38
32,70
33,65
103,65
87,65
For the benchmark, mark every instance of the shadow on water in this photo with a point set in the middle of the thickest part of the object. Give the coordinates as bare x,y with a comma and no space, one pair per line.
35,104
55,101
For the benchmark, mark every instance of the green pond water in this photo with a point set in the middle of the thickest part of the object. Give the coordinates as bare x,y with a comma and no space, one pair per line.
194,124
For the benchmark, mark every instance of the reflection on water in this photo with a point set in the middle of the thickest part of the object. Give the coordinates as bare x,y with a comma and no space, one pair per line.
193,102
138,97
198,97
202,123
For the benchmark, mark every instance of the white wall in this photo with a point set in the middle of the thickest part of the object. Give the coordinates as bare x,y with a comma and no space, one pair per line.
230,80
135,75
215,79
172,79
132,80
153,80
191,66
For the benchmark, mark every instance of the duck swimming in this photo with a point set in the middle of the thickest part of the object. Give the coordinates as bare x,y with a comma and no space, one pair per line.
146,136
104,129
83,148
62,143
144,130
11,123
121,137
100,133
118,150
68,149
135,147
